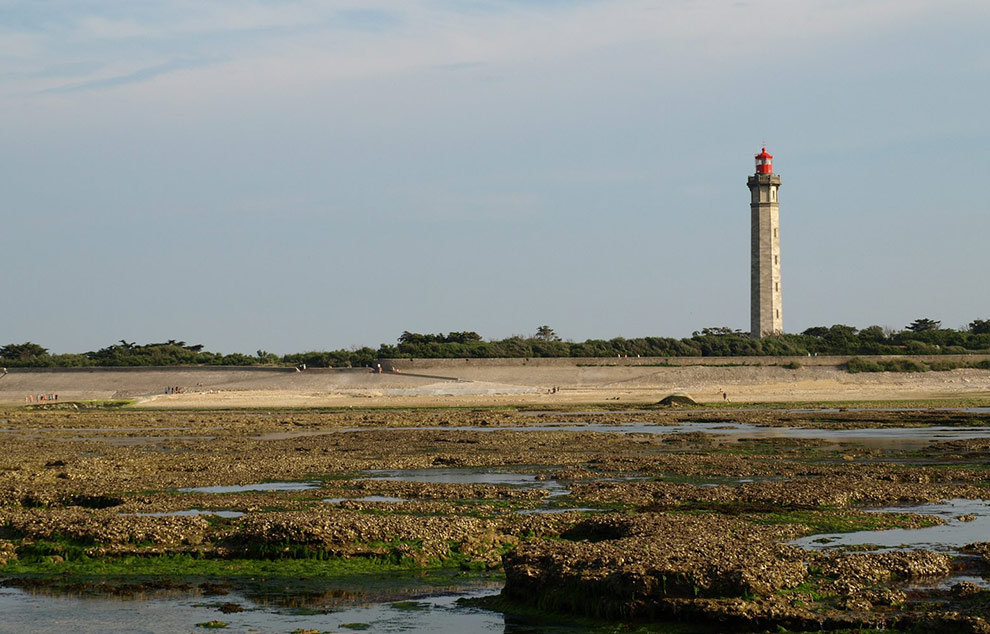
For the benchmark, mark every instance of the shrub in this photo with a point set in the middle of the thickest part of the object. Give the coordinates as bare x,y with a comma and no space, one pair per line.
942,365
857,364
903,365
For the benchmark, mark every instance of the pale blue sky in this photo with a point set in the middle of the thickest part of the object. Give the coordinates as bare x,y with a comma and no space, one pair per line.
316,175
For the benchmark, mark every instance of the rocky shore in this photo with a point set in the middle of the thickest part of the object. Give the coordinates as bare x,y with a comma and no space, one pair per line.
661,524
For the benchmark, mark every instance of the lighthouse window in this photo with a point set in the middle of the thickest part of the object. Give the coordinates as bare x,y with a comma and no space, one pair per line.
773,195
775,259
776,286
775,232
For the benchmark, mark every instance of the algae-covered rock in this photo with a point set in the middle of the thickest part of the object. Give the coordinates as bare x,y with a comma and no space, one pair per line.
865,569
7,552
622,566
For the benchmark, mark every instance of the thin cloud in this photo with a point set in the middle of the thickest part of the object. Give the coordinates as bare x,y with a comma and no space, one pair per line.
136,77
459,66
314,42
203,18
373,20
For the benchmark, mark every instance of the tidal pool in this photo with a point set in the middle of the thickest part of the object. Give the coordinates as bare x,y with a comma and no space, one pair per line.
261,486
191,512
951,536
883,437
428,612
556,511
947,583
367,498
44,613
791,410
469,476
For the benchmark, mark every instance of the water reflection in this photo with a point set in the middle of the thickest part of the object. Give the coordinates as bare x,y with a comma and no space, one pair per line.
373,604
367,498
967,521
886,437
190,512
58,614
261,486
469,476
786,410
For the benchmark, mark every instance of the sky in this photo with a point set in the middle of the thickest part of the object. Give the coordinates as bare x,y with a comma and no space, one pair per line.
313,175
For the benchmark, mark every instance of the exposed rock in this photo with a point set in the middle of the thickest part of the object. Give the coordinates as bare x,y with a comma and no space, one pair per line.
700,536
103,526
677,400
965,589
651,557
7,552
868,568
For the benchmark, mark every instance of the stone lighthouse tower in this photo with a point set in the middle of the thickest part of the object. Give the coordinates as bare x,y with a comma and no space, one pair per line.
764,273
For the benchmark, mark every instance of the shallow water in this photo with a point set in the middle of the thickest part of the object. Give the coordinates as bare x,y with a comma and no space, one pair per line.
950,536
556,511
430,612
367,498
947,583
794,410
42,613
890,438
190,512
262,486
469,475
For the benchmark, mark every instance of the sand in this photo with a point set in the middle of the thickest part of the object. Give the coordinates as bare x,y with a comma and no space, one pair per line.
488,384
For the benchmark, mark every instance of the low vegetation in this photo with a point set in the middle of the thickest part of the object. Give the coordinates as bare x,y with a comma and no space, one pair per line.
922,337
858,364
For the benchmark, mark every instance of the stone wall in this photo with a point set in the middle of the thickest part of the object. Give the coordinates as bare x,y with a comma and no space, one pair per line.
823,361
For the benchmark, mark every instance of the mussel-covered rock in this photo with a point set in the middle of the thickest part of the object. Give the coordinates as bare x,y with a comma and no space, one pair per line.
628,566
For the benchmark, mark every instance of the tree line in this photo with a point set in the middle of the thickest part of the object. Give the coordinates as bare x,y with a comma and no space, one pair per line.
923,336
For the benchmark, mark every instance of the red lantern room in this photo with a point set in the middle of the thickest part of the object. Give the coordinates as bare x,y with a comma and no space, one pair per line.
764,162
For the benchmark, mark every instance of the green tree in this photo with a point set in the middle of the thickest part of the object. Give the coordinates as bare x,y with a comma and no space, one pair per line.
411,337
873,333
924,325
545,333
980,326
22,351
467,336
267,358
716,331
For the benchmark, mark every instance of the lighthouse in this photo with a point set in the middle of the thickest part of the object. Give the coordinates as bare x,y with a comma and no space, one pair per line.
764,274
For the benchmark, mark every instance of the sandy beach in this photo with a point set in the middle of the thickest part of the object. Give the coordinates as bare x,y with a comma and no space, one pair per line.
473,383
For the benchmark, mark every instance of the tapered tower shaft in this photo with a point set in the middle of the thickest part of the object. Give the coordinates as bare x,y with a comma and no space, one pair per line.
765,297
